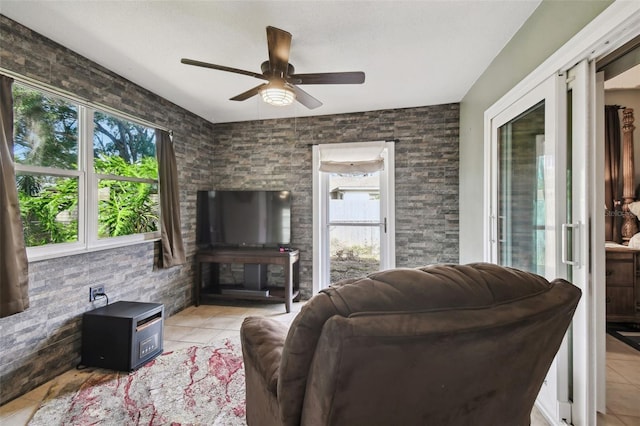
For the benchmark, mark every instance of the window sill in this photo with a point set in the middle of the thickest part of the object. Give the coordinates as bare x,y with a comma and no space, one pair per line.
37,254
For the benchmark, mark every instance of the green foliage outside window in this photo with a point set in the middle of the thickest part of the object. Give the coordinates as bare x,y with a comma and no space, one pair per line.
49,209
46,135
45,130
114,137
126,207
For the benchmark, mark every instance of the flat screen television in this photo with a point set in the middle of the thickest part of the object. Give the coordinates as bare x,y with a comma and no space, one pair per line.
243,219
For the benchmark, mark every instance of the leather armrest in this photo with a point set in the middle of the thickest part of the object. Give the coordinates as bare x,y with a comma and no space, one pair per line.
262,343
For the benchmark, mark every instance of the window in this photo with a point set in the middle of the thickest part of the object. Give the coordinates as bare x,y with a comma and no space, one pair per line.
47,175
86,178
354,225
126,170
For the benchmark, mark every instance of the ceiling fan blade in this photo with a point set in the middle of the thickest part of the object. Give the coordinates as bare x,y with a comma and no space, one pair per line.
279,43
249,93
305,99
354,77
222,68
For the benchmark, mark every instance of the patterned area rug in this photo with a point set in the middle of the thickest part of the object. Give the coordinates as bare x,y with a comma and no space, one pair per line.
200,385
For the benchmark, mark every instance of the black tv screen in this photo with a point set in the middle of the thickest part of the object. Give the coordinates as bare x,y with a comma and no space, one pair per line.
243,218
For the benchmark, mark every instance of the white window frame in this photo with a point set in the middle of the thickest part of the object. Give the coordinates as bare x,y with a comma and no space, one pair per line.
88,240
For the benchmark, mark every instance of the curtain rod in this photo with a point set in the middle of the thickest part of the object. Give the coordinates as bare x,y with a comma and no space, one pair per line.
36,84
383,140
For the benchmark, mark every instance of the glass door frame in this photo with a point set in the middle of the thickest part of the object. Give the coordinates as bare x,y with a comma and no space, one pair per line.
615,26
321,275
547,91
555,394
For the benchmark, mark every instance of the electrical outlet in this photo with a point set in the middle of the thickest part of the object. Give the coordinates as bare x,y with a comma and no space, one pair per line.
95,290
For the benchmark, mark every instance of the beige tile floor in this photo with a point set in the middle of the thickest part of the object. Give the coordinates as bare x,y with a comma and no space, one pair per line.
208,323
623,385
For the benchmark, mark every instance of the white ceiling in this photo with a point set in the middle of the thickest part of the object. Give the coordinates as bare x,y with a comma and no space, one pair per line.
414,53
629,79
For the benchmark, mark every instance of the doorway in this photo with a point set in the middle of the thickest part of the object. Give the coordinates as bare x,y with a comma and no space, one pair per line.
618,92
353,198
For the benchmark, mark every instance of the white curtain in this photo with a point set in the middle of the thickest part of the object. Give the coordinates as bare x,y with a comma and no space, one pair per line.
352,158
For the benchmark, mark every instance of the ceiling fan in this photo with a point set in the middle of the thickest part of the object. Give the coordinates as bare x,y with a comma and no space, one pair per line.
281,87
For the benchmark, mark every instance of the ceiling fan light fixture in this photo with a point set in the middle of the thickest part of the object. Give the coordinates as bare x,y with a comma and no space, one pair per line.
281,87
277,94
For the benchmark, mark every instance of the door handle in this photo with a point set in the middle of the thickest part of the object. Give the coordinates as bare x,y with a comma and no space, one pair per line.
500,229
565,243
492,229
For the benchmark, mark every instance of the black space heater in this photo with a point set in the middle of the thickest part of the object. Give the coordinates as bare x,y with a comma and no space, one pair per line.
122,336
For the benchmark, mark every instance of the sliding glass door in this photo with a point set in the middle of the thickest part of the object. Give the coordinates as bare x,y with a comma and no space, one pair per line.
526,221
528,206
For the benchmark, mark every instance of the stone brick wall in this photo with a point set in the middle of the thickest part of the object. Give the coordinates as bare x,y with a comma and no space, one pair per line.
276,154
44,341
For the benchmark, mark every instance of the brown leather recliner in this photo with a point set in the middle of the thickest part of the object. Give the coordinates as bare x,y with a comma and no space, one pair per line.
439,345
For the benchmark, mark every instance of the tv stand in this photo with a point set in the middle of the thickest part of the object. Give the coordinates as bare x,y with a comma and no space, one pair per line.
253,259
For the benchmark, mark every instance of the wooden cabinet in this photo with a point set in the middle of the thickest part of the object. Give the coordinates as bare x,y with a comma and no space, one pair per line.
289,260
623,284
